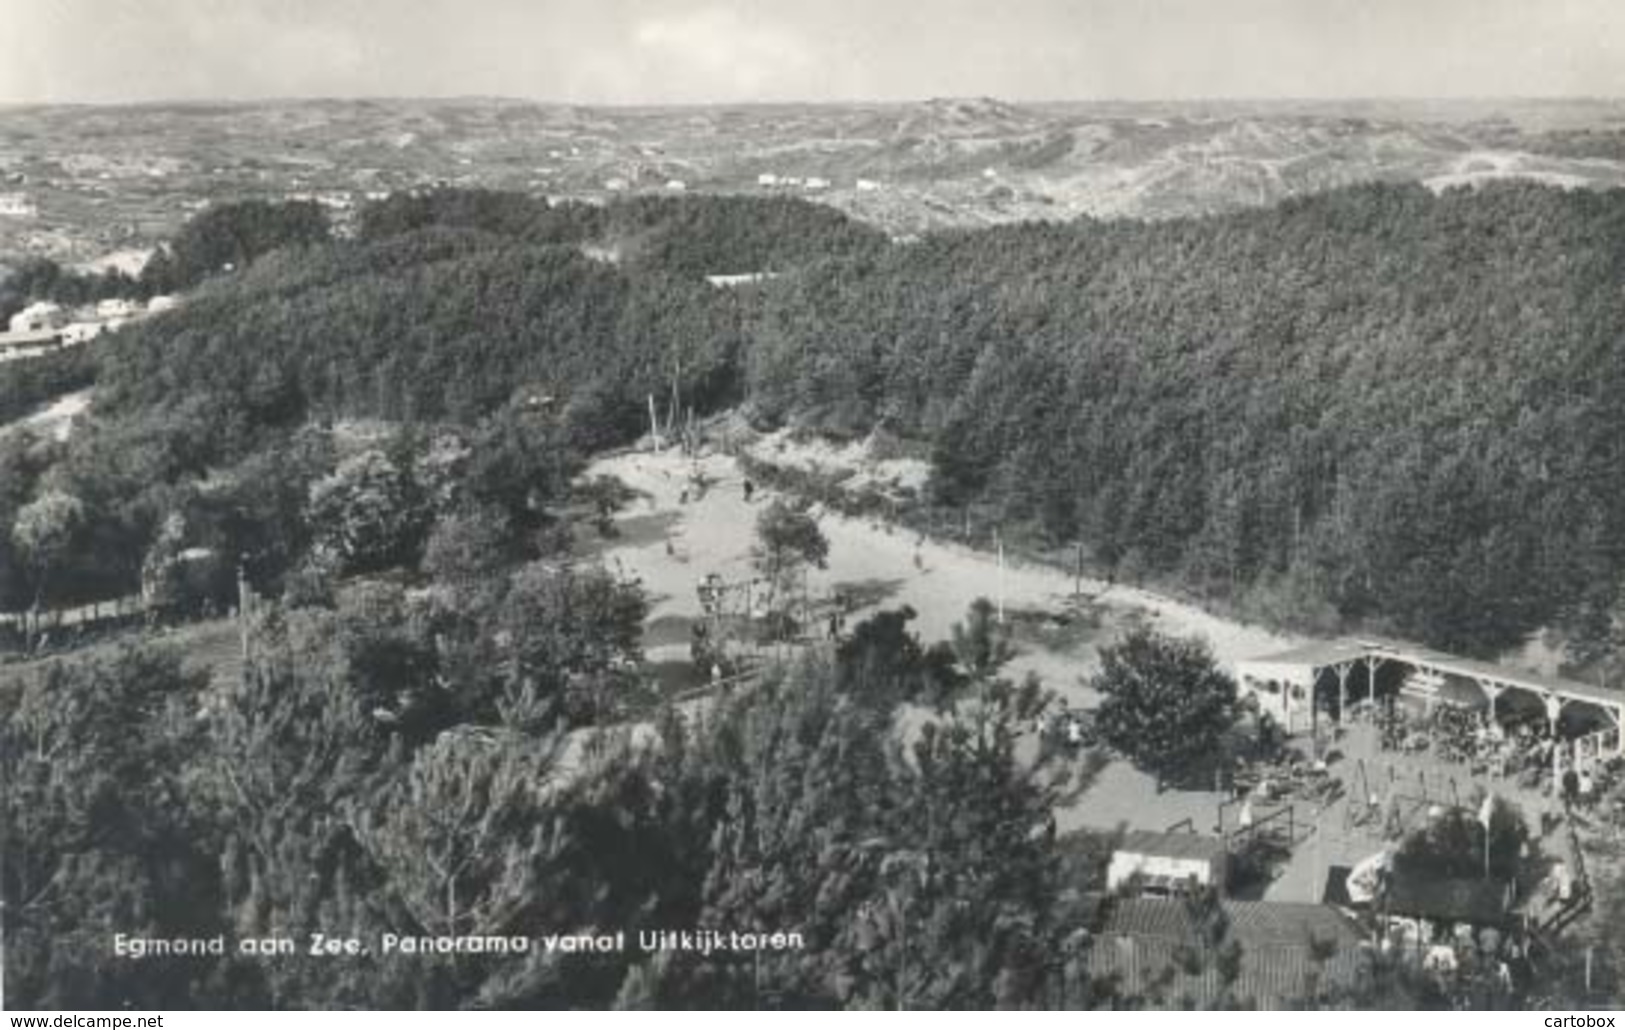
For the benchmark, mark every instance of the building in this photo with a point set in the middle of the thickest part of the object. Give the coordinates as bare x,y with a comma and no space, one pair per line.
161,303
117,308
1296,686
82,332
1143,949
740,279
1168,863
29,344
38,316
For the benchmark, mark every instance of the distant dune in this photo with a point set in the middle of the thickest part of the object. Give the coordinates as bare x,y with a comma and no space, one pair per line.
85,182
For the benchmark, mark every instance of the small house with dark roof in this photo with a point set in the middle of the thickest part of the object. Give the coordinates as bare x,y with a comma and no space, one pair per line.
1163,952
1168,863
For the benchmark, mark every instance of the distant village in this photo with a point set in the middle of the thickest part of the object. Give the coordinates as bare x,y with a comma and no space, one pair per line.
45,327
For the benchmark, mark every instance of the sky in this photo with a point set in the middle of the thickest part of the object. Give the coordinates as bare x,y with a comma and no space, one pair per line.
729,51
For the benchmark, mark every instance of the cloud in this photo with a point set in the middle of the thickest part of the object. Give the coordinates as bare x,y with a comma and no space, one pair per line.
111,50
269,54
717,53
651,51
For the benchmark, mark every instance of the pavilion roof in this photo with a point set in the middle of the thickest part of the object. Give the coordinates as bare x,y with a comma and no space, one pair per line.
1327,653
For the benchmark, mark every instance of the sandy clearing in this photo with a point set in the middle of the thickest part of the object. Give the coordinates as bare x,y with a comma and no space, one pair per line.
714,534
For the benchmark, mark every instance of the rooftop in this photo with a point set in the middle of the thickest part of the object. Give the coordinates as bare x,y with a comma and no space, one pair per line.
1143,943
30,338
1325,653
1172,845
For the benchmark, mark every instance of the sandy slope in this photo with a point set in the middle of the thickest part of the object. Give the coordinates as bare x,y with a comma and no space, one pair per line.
55,419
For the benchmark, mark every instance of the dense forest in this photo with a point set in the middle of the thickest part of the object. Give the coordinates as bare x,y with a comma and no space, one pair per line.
404,763
1394,406
1372,406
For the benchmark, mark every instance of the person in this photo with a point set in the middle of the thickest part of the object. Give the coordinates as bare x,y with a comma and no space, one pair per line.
834,625
750,488
1571,786
1587,789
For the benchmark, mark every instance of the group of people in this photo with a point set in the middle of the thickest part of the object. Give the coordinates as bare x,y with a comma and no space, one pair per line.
1290,777
1449,949
1528,752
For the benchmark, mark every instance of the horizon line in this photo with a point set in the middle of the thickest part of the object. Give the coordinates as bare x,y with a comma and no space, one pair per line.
468,98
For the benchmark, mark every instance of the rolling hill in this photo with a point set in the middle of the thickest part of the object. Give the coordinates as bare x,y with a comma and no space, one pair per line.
77,183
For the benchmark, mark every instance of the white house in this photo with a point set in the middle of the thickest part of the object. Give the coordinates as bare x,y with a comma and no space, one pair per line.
816,183
117,308
767,179
17,205
37,316
1282,687
1168,863
740,279
81,332
161,303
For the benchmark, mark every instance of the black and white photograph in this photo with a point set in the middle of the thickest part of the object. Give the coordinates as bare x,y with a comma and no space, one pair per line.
519,505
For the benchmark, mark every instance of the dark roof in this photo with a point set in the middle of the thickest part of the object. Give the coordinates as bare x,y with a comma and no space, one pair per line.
1478,901
1172,845
29,338
1336,889
1140,943
1252,923
1324,653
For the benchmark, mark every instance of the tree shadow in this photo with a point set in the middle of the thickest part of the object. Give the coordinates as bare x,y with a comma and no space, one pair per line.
644,530
1061,630
675,675
668,630
869,593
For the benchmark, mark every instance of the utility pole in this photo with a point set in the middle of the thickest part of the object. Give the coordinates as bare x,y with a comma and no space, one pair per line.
998,542
1077,571
244,598
676,397
654,424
